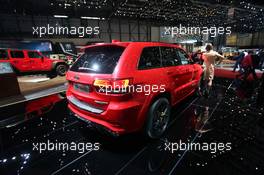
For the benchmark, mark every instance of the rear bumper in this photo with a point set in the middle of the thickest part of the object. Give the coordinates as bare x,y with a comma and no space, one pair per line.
119,117
84,106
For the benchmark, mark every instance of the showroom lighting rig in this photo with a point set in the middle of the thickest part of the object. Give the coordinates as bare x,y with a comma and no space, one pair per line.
196,13
184,12
96,4
248,17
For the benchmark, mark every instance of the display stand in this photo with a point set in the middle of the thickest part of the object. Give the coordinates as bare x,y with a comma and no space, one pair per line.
8,81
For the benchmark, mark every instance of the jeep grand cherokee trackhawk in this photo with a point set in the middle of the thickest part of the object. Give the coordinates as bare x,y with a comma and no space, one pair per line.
93,79
32,61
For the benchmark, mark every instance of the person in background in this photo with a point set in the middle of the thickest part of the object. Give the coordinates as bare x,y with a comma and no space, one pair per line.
248,66
197,57
210,57
261,56
239,59
245,52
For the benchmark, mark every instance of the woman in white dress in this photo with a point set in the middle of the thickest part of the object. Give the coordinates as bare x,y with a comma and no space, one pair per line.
210,58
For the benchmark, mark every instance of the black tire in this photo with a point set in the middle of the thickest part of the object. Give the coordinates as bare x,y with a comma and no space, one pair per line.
158,118
61,69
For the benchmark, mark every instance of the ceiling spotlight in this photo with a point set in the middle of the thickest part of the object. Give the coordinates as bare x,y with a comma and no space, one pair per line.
60,16
89,17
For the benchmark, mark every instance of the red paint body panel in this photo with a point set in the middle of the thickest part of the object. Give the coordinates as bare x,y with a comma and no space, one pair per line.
125,113
27,64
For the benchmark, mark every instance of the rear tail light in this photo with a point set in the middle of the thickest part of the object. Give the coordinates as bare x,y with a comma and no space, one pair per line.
119,86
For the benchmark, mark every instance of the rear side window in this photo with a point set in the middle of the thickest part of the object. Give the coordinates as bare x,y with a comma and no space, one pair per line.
17,54
169,57
150,58
99,59
183,56
34,55
3,55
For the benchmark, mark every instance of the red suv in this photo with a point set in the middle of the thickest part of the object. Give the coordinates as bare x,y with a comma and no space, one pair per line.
27,61
152,76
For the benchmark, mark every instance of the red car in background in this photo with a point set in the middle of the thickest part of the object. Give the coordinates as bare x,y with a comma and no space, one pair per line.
32,61
153,77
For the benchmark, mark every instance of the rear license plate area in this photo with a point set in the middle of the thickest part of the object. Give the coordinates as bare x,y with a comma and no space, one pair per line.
81,87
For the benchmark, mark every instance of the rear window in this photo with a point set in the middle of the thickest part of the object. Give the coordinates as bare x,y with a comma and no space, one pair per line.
99,59
3,55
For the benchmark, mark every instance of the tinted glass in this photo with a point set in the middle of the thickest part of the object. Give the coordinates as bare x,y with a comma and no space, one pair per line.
183,56
169,57
3,55
150,58
17,54
100,59
34,55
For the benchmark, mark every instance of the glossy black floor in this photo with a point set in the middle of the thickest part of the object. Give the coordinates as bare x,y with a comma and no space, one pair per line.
230,114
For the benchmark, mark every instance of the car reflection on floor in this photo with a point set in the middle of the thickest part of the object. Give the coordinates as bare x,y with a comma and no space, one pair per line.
221,118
